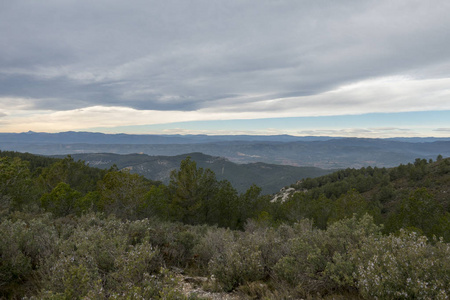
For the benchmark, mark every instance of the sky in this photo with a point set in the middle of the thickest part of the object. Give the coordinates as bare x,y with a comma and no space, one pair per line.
338,68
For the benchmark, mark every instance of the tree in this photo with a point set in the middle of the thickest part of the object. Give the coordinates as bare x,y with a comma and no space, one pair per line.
122,193
420,211
16,185
156,203
77,174
62,200
191,190
222,208
250,204
352,203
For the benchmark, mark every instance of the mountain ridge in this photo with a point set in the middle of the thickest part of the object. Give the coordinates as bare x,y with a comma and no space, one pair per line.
117,138
322,152
269,177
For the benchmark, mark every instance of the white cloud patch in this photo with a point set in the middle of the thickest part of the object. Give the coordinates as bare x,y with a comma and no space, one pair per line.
367,132
443,130
391,94
375,95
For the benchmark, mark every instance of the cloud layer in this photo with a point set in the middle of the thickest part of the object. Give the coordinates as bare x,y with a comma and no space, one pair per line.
76,62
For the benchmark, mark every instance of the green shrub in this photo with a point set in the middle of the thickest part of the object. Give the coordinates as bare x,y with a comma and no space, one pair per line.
133,266
62,200
84,259
271,242
404,267
303,268
237,264
107,258
344,239
319,261
103,243
23,245
214,241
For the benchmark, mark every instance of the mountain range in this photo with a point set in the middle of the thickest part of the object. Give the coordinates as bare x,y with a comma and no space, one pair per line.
322,152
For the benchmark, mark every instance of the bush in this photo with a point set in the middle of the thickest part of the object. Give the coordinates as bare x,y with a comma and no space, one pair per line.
109,259
319,261
71,277
134,266
23,245
271,242
303,268
403,267
344,239
175,242
237,264
214,241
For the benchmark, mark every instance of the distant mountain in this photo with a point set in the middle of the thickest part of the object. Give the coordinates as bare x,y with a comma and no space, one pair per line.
268,176
72,137
322,152
419,139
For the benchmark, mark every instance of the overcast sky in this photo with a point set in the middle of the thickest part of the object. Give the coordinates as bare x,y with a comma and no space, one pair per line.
204,66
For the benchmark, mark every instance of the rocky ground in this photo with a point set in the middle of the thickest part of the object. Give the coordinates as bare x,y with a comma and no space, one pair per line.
195,286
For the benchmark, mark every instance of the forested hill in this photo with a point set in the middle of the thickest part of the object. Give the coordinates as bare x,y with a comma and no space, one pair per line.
269,177
386,185
415,195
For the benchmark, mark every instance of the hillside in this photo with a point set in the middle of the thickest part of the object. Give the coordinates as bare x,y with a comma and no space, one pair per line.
71,231
388,185
408,196
269,177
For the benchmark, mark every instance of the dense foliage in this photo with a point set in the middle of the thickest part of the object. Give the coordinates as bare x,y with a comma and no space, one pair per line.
415,196
70,231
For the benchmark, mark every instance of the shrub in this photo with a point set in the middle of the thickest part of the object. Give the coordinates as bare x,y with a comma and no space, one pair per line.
237,264
271,242
133,266
344,239
319,261
404,267
108,258
175,242
70,277
214,241
23,244
303,268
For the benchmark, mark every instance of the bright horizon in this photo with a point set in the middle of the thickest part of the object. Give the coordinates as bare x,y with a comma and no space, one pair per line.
370,69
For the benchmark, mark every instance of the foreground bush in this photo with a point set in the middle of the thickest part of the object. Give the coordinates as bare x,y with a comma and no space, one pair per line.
239,263
97,257
90,257
404,267
23,246
318,261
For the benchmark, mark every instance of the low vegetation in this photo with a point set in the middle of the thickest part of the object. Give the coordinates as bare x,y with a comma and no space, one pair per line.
70,231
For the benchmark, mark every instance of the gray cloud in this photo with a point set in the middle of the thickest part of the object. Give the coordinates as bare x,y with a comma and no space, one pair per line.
188,55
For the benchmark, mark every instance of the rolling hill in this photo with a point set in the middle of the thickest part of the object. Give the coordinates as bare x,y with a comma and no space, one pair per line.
269,177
